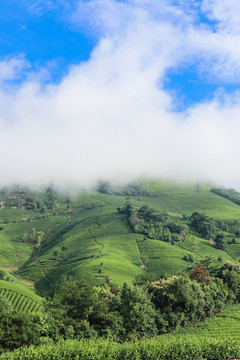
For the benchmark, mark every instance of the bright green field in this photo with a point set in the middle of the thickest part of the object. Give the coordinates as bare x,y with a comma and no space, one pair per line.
14,252
162,258
203,248
187,198
234,251
93,247
10,214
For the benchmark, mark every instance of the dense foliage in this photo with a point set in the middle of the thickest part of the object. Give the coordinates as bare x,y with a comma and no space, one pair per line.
206,226
18,329
131,189
229,194
78,311
153,223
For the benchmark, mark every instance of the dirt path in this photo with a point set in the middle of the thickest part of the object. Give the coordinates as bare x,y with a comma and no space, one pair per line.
102,246
143,266
95,239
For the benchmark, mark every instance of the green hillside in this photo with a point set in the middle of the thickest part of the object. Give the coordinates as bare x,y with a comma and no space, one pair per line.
186,198
130,240
45,235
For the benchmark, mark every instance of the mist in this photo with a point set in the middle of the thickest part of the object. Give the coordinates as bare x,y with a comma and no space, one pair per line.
111,116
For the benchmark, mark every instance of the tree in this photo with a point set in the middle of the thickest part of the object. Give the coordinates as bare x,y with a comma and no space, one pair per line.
179,300
220,241
81,308
73,300
200,274
145,279
56,254
221,225
195,246
64,249
203,224
216,295
104,187
18,329
139,316
237,233
230,274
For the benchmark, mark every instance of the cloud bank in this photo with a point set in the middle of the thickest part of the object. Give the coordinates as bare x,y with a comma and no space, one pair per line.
111,117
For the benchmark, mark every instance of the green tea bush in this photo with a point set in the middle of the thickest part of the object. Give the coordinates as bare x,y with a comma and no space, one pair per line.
163,348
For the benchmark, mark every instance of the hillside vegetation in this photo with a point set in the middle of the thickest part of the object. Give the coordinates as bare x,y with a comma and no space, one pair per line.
46,235
163,256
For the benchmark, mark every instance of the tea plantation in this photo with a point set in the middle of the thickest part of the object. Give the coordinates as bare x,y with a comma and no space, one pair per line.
112,235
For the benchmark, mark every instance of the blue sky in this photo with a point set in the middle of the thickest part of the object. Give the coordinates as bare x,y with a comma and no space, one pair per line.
43,32
85,83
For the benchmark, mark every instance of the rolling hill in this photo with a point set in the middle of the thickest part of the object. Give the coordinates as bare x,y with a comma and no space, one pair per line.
46,234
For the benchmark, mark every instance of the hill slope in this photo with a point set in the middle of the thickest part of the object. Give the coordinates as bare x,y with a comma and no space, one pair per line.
46,235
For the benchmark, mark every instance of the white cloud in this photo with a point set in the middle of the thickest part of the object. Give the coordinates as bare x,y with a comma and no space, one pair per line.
226,13
214,48
111,117
12,68
40,7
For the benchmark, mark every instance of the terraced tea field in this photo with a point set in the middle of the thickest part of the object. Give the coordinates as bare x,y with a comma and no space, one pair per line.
225,325
20,297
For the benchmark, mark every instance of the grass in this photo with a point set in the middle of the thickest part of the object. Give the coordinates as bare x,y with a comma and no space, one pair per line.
162,258
187,198
10,215
234,251
14,253
94,248
202,248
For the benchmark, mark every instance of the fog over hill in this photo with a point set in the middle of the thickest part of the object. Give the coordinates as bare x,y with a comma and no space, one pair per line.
112,115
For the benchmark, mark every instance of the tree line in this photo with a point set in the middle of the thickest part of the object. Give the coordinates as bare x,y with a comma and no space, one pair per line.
153,223
159,225
76,310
